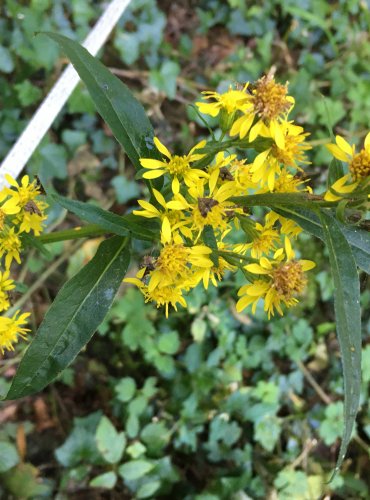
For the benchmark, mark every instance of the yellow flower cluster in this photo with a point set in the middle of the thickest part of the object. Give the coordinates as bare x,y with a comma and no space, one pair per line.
204,232
359,168
21,211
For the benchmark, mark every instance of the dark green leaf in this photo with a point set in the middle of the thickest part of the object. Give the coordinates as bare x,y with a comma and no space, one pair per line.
114,101
209,239
77,311
335,171
348,320
111,222
360,244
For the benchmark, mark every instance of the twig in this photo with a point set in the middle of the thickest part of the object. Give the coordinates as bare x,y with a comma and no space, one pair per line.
311,443
323,396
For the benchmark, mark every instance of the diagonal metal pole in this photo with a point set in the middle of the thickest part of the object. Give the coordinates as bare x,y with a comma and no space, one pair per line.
45,115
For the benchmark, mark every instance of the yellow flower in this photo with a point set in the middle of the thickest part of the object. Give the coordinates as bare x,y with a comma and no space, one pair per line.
11,329
268,102
220,169
229,101
175,262
243,176
178,167
25,191
359,166
163,296
265,239
288,227
9,207
279,284
171,219
212,209
289,183
32,222
6,285
341,186
10,245
266,165
30,216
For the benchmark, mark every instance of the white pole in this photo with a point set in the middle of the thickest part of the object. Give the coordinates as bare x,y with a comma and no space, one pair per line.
58,95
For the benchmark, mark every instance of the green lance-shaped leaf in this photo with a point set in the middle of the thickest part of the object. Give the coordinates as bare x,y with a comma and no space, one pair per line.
111,222
114,101
77,311
348,321
358,239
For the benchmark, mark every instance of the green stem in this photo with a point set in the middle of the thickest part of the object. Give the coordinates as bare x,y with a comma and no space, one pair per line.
90,230
283,199
236,256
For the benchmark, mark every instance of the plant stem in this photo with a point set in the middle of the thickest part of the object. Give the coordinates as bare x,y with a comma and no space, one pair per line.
72,234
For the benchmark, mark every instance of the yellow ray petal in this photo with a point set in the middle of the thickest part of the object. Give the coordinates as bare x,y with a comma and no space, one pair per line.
162,148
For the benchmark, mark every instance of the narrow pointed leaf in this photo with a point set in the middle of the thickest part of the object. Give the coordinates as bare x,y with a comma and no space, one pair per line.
358,239
348,321
114,101
72,319
111,222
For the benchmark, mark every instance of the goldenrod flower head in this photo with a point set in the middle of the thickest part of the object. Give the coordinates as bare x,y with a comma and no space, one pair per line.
266,167
230,101
10,245
163,296
174,264
341,186
270,99
9,207
265,240
289,227
243,176
178,167
24,192
6,284
220,169
270,104
286,182
11,329
282,282
32,222
359,166
294,148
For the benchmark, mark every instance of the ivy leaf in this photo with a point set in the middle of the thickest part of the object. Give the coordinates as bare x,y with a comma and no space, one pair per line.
111,443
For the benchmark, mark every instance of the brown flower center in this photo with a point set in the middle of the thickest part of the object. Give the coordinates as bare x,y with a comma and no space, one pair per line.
269,99
289,279
2,218
360,165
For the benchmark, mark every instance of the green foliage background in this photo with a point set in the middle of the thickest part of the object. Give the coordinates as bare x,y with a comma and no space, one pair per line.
208,404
